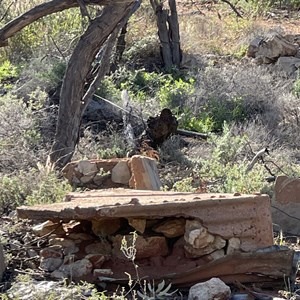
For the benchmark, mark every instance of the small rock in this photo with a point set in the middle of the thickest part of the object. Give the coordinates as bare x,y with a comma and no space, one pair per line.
199,241
102,272
55,251
145,246
79,237
32,253
61,242
215,255
234,244
77,269
105,227
121,173
213,289
86,167
171,228
50,264
138,224
96,259
102,247
86,179
46,227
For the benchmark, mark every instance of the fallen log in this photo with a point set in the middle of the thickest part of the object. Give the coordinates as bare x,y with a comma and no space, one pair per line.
197,135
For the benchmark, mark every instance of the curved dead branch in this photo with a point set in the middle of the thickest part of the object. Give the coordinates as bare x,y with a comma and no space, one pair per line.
40,11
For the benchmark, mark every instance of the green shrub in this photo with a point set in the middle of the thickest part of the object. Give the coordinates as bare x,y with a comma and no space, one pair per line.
174,93
36,186
7,71
225,170
13,193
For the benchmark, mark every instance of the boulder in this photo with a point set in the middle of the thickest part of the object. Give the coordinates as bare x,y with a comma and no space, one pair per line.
213,289
288,64
270,48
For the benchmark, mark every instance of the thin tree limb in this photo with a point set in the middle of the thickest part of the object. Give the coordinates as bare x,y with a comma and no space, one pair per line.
233,8
6,11
40,11
260,154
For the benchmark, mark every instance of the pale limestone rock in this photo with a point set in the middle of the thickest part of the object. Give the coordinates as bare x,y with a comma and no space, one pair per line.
121,173
145,246
216,255
77,269
144,173
234,244
102,247
217,243
47,227
199,241
50,264
213,289
2,262
196,235
105,227
86,167
171,228
138,224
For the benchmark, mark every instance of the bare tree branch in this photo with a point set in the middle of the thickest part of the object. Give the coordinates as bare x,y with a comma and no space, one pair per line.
6,11
260,154
40,11
233,8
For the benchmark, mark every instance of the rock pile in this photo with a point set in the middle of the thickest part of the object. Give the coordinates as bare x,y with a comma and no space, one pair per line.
138,172
276,48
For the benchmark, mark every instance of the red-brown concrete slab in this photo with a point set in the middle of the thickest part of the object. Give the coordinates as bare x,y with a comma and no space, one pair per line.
247,217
